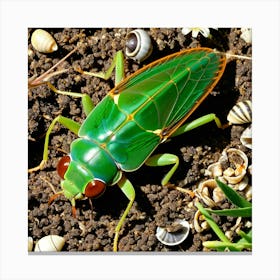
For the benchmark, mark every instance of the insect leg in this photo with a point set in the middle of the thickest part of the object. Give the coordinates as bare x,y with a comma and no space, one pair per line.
162,160
86,100
196,123
118,63
68,123
128,189
167,159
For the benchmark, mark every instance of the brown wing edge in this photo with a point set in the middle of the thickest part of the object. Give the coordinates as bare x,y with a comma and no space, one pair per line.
118,88
219,74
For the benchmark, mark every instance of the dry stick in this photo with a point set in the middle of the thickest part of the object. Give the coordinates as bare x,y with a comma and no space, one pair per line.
189,192
50,184
228,55
46,76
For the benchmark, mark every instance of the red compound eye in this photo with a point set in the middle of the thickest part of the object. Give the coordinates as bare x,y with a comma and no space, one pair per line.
95,188
62,166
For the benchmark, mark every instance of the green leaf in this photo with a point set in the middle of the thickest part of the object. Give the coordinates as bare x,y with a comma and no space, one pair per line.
212,223
236,212
221,246
244,243
233,196
246,237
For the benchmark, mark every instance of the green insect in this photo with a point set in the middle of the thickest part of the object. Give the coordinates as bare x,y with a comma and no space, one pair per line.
143,110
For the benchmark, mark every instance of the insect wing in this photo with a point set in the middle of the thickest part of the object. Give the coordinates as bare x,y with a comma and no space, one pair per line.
162,95
148,106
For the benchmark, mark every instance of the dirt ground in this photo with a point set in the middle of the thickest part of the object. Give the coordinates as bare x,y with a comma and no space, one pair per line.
93,228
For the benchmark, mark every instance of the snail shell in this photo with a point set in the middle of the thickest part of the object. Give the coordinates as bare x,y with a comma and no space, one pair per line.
242,185
138,45
214,170
209,192
248,192
199,222
30,244
42,41
50,243
246,35
246,137
171,237
241,113
240,162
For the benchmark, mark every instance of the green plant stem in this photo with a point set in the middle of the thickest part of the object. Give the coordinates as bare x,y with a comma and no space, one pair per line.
212,223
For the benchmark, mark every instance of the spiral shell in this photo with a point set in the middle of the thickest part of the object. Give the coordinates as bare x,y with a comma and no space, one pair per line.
241,113
246,137
199,222
214,170
231,169
30,244
138,45
235,174
209,192
175,236
50,243
42,41
248,193
246,35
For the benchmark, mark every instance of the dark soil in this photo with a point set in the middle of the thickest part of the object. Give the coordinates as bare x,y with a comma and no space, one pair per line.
155,205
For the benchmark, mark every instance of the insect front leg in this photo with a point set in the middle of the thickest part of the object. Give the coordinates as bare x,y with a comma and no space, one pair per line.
162,160
118,64
68,123
167,159
73,126
128,189
87,103
197,123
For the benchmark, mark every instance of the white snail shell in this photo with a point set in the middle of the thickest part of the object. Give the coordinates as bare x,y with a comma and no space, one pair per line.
138,45
241,113
30,244
246,137
173,238
246,35
42,41
50,243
